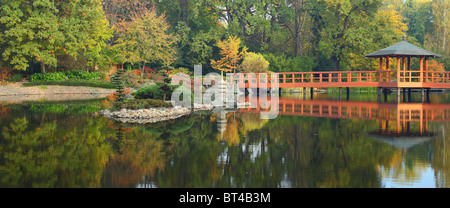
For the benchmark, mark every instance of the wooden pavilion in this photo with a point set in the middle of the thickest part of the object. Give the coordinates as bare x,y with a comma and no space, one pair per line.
404,77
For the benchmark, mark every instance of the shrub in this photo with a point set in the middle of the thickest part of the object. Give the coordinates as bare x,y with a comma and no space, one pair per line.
149,92
129,79
78,74
171,73
254,63
137,104
16,78
5,73
159,91
56,76
286,64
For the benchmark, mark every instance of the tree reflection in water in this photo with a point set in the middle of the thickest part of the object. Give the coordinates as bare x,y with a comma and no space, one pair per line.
70,147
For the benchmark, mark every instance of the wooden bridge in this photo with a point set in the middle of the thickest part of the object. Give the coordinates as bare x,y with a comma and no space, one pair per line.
403,77
403,114
380,79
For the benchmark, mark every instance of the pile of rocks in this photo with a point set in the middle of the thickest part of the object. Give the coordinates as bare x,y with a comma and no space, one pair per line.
152,115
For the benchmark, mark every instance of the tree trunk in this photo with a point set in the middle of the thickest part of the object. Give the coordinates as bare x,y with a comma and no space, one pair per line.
42,67
142,70
335,62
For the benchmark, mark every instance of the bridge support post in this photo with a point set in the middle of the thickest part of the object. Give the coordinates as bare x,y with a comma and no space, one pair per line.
379,94
428,95
304,93
399,90
312,93
348,93
404,95
423,95
409,94
385,95
340,93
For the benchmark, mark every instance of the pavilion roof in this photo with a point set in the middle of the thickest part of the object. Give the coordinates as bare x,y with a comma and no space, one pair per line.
402,141
403,48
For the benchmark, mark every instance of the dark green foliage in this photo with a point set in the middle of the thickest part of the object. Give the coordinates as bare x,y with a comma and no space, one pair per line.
119,85
75,82
283,63
150,92
137,104
57,76
159,91
167,80
78,74
15,78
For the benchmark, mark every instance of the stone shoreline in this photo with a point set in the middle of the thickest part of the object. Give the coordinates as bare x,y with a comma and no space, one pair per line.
153,115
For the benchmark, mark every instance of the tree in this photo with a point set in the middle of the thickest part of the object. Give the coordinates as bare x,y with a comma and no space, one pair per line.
339,21
230,53
86,31
29,30
294,18
385,29
254,63
144,39
40,30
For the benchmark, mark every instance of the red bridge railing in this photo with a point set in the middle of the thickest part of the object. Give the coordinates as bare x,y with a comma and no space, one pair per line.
343,79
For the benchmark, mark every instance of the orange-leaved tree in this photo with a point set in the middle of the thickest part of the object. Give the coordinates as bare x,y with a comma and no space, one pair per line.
231,54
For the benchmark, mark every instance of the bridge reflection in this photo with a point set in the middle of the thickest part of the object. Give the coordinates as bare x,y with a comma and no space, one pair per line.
403,115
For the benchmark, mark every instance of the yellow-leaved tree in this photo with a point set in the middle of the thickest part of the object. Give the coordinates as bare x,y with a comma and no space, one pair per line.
231,54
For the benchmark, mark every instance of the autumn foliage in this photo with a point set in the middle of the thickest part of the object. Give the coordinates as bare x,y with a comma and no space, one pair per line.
230,53
433,65
5,73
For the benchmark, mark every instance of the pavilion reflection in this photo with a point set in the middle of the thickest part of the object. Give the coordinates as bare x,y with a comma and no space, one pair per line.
396,120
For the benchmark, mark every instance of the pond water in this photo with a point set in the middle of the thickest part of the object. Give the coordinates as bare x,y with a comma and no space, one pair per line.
321,143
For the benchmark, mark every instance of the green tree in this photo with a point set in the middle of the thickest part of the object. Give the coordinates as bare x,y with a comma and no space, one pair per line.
38,31
29,31
254,63
145,39
340,21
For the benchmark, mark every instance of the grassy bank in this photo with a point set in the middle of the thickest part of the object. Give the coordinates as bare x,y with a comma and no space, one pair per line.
74,82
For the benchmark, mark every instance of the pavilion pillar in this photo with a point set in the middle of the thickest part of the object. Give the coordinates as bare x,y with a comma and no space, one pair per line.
398,69
388,76
421,69
409,68
426,70
380,70
399,90
404,67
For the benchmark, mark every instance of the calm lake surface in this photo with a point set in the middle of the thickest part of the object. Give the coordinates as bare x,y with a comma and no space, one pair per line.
321,143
